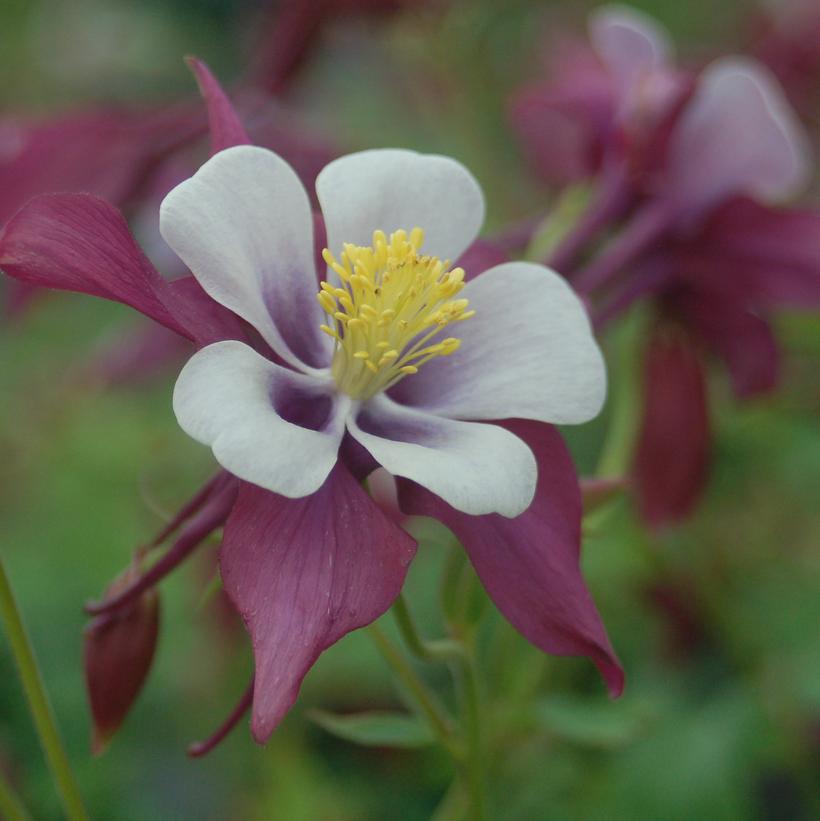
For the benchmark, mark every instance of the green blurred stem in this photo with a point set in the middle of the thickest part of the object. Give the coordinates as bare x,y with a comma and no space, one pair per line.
455,651
426,700
475,763
440,650
41,711
11,807
614,459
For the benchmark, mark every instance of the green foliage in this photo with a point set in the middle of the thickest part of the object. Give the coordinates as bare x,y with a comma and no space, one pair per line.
376,729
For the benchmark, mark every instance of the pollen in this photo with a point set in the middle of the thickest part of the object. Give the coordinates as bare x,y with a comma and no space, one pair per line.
388,311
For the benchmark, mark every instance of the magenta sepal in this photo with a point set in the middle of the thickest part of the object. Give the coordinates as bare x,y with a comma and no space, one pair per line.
530,565
223,122
303,573
78,242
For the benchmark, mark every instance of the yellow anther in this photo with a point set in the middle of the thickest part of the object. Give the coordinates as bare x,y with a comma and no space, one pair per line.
326,301
389,305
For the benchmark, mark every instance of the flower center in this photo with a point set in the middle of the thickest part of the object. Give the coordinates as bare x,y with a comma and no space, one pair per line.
391,306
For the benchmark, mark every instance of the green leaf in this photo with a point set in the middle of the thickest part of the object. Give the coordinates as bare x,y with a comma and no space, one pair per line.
376,729
592,723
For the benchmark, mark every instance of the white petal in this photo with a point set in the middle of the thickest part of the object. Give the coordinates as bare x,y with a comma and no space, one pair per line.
244,227
475,468
738,135
628,42
233,399
388,189
528,353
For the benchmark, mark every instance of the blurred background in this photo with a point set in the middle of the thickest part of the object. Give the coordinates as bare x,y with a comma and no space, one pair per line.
716,621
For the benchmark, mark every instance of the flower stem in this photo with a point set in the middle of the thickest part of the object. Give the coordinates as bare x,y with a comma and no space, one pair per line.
41,711
427,702
474,765
441,650
608,203
645,229
452,650
11,807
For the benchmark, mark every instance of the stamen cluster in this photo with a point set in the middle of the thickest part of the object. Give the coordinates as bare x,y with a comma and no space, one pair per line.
390,304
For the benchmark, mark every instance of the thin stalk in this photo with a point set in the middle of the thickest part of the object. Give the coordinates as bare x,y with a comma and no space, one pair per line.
440,650
41,711
426,700
474,765
645,229
11,807
643,284
452,650
611,200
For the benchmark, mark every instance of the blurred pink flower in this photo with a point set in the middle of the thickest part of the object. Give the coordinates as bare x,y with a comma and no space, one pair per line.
291,30
691,169
785,35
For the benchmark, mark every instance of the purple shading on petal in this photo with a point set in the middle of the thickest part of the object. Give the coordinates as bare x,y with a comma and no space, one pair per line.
530,565
303,573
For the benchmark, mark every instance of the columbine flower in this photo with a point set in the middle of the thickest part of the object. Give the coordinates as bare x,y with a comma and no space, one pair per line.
303,385
393,348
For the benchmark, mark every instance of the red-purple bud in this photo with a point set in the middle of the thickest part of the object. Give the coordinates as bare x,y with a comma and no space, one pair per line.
671,460
119,649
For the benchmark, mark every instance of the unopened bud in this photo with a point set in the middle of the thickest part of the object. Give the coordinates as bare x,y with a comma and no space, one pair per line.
119,649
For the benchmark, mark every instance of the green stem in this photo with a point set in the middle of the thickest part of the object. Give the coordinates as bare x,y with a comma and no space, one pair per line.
453,650
618,447
441,650
41,711
11,807
475,763
439,721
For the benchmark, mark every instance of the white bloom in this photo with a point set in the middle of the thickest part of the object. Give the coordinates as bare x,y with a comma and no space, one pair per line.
369,352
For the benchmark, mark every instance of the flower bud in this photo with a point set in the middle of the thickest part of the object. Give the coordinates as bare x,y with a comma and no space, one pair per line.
119,648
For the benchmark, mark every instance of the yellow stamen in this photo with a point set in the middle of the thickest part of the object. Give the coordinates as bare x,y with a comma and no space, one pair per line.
391,305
